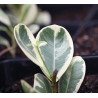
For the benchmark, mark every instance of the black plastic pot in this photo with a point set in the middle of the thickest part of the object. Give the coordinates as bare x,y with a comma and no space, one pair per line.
12,70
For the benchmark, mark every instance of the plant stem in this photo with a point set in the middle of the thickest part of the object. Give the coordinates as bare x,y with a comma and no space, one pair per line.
13,41
54,86
43,60
6,50
14,50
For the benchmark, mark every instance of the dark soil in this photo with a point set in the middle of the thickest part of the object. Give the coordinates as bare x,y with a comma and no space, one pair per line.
87,42
16,87
89,85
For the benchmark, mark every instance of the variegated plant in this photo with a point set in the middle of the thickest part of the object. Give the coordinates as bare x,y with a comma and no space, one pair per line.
52,50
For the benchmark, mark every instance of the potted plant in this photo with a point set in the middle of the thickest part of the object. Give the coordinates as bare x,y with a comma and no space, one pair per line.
13,74
52,51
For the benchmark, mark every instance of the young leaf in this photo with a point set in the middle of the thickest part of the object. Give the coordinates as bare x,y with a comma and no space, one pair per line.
71,80
26,87
42,84
58,52
4,18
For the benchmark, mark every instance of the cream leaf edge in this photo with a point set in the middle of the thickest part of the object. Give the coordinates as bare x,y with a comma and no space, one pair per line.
79,58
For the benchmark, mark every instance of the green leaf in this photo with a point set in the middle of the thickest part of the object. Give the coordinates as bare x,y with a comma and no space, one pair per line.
4,41
71,80
28,13
26,87
58,52
4,18
51,50
42,84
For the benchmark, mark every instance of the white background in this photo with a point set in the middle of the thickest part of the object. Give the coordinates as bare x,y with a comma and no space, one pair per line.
48,1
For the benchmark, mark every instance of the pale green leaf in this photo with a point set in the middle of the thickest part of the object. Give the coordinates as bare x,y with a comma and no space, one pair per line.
42,84
4,18
71,80
38,43
58,52
27,88
21,33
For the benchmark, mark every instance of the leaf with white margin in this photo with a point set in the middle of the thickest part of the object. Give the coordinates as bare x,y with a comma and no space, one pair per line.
72,79
27,88
30,46
42,84
4,18
44,18
28,13
58,52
